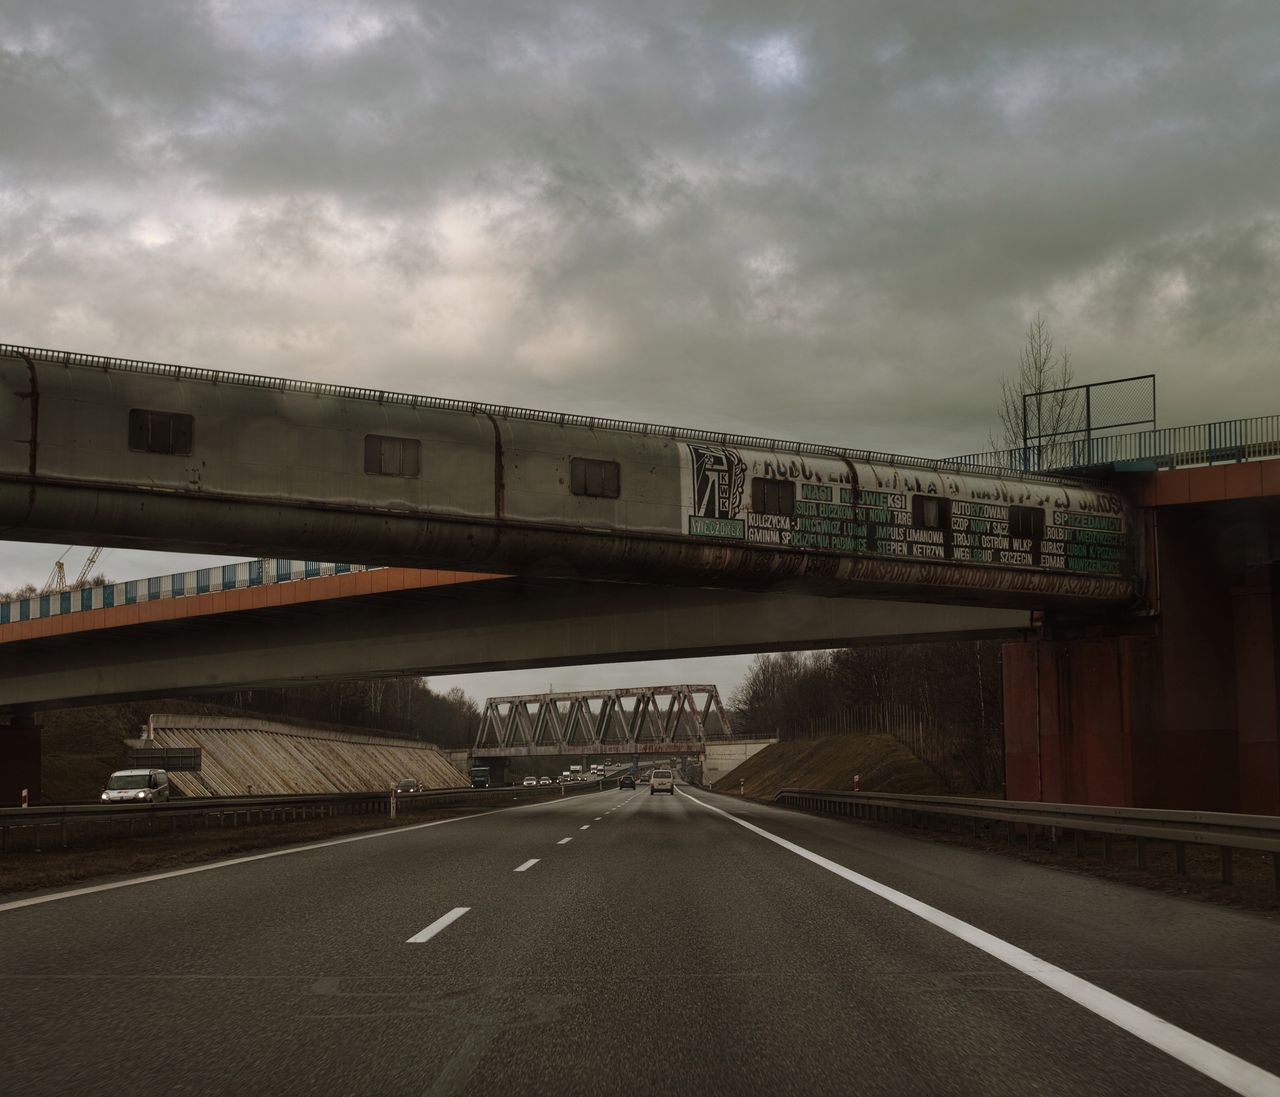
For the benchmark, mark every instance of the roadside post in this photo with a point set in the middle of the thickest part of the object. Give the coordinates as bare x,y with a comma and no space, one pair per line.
393,801
857,780
24,797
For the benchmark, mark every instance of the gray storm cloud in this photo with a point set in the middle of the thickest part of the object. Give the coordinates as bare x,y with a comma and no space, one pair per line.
830,222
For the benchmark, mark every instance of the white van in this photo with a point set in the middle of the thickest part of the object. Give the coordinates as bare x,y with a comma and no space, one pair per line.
136,786
662,781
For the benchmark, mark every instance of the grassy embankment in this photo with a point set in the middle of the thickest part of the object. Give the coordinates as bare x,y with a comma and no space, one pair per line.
881,763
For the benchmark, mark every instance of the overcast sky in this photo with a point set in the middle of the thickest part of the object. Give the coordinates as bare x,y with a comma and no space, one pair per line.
825,221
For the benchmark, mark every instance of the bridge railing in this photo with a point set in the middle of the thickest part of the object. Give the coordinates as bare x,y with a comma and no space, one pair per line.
1228,832
56,826
1224,442
247,573
468,407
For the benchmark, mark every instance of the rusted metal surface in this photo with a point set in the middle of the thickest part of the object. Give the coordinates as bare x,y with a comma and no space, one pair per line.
242,757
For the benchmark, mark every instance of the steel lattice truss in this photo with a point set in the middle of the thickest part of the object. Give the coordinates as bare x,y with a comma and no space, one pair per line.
652,719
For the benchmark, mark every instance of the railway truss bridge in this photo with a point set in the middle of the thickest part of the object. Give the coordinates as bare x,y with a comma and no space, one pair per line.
672,719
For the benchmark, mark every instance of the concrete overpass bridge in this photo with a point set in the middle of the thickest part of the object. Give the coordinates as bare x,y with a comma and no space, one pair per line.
1153,676
120,452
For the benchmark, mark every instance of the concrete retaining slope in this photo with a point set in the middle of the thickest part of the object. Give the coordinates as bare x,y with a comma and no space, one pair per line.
722,758
258,757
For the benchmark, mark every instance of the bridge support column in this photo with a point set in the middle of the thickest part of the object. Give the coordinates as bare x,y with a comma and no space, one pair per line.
1256,615
1077,718
1181,710
20,759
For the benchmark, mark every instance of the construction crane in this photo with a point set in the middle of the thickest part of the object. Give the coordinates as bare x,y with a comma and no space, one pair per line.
57,581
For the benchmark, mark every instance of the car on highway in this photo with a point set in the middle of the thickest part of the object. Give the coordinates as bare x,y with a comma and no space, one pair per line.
529,782
626,781
663,780
409,784
136,786
545,781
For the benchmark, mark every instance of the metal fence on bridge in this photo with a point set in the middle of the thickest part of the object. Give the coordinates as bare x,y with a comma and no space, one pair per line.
1224,442
182,584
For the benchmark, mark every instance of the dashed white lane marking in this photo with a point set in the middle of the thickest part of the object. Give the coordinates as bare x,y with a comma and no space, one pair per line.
564,841
528,864
597,819
443,922
1235,1073
585,826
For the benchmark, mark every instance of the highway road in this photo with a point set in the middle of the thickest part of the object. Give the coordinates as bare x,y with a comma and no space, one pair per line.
617,943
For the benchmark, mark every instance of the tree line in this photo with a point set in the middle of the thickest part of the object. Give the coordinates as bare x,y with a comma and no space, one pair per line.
943,700
30,590
405,707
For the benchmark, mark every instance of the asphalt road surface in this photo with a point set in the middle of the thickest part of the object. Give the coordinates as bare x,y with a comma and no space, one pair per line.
618,942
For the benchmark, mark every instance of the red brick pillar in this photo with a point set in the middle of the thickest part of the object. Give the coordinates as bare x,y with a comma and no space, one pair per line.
1256,616
1077,723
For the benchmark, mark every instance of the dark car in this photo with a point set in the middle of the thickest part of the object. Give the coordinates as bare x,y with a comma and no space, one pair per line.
626,781
409,785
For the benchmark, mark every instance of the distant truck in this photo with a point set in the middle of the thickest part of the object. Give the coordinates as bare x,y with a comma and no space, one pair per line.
480,777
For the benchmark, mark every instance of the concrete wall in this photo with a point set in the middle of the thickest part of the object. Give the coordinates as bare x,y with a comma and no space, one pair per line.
721,758
259,757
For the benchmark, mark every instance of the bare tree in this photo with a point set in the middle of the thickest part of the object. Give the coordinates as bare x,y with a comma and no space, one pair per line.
1040,369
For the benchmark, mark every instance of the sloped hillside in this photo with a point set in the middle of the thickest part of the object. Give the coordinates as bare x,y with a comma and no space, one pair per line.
881,763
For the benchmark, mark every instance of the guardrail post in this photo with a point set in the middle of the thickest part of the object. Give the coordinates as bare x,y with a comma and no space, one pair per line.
1228,868
1275,870
1106,849
1140,852
1180,858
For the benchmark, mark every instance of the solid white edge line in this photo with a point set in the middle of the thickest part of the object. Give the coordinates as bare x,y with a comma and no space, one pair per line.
1238,1075
564,841
36,900
527,865
444,921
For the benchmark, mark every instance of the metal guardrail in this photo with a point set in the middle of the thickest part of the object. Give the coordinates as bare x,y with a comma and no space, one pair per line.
61,825
1224,442
1180,828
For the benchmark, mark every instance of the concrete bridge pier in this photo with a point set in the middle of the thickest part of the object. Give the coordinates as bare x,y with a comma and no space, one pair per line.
20,758
1256,617
1177,709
